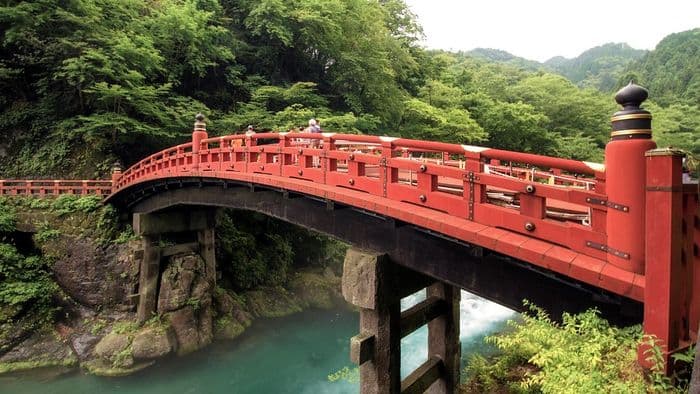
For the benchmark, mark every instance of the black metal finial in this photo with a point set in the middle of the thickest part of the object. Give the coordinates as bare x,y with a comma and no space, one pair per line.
199,117
632,122
631,96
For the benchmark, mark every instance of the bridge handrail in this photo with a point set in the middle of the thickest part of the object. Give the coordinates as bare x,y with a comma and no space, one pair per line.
446,177
574,166
45,187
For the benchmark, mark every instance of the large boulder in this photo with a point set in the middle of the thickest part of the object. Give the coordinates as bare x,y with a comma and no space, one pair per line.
317,290
83,344
92,274
185,299
185,326
153,342
272,302
111,345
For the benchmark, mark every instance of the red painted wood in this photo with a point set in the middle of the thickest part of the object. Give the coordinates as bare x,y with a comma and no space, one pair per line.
664,271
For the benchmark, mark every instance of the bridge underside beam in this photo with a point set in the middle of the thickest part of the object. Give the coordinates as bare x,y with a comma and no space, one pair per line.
495,277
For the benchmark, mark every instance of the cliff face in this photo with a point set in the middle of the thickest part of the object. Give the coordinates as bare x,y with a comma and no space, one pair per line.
95,324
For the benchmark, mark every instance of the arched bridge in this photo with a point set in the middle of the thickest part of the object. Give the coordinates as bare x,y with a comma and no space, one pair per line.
625,233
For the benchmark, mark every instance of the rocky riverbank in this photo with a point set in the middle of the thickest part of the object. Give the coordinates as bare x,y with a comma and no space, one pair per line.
193,315
95,327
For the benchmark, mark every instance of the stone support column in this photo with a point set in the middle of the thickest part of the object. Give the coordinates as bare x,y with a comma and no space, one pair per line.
206,239
376,285
150,227
149,273
443,338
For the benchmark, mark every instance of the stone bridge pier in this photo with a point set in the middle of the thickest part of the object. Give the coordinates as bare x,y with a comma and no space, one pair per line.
376,285
193,231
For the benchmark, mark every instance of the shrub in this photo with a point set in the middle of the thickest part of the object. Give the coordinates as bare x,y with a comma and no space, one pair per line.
7,217
582,354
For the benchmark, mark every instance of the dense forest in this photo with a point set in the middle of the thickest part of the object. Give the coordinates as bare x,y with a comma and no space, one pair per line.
85,83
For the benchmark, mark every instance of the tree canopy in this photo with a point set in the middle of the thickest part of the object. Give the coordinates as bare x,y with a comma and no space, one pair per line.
87,82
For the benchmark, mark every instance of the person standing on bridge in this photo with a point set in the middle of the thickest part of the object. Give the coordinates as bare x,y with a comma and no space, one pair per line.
314,128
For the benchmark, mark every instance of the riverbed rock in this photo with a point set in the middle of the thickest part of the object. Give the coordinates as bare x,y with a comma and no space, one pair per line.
153,342
91,274
185,299
83,344
111,345
101,367
227,328
185,327
316,290
232,306
183,282
271,302
43,349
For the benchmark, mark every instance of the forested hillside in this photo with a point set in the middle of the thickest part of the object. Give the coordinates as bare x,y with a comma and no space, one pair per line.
671,71
88,82
598,67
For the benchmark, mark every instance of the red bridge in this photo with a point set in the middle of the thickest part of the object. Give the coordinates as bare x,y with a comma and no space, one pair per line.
627,230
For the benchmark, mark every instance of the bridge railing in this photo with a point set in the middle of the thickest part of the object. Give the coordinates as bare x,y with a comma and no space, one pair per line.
451,178
40,188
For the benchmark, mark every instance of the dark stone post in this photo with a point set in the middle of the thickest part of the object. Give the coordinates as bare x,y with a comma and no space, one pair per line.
206,239
150,226
149,273
377,349
376,285
443,338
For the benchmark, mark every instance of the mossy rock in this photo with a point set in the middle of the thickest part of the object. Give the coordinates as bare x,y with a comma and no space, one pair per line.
111,345
153,342
41,350
227,327
100,367
19,366
272,302
316,290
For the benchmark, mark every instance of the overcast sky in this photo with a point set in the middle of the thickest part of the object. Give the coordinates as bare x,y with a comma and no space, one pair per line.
541,29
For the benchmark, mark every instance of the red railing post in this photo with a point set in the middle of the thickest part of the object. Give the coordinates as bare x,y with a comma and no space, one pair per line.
116,174
625,168
387,175
665,310
199,133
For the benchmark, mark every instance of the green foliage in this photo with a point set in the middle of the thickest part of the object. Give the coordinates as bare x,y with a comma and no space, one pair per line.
255,250
671,71
582,354
351,375
24,280
677,125
598,67
7,217
46,234
125,327
69,203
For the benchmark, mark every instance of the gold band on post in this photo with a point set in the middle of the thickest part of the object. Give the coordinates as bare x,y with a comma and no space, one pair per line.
630,132
630,116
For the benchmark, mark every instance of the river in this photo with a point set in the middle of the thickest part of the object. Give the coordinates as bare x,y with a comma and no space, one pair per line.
294,354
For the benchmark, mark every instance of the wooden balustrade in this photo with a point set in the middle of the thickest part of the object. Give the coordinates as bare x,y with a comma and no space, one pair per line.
569,210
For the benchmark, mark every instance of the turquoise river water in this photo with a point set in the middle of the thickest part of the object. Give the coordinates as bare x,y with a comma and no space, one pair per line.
286,355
